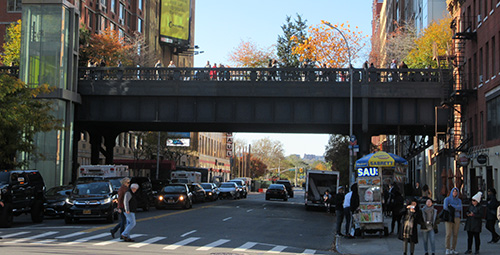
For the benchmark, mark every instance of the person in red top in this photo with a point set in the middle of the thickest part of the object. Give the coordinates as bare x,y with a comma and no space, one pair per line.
123,221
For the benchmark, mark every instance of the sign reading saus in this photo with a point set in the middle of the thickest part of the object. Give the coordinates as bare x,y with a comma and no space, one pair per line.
367,171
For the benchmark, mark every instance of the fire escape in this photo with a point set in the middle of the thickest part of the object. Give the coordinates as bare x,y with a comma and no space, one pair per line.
456,139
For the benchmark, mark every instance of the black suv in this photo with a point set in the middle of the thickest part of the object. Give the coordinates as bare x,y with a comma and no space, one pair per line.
288,186
22,191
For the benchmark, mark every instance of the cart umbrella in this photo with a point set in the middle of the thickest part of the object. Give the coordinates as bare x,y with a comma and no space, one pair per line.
380,159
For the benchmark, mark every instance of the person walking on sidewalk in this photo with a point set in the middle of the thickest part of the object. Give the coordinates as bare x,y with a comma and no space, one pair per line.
453,205
473,224
409,230
123,221
347,213
339,209
431,221
397,206
130,205
491,215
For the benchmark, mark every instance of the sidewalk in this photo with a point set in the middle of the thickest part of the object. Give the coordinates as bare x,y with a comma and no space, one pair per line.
391,245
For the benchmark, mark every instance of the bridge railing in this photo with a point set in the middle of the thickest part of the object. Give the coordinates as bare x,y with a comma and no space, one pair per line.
260,74
10,70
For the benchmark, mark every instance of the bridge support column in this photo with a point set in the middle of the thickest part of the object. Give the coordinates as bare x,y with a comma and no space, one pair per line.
95,145
365,142
109,143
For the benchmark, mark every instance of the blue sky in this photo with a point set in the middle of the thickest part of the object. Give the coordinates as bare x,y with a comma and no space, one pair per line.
220,26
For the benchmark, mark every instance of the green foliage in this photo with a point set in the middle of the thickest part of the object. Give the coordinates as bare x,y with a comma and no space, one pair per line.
12,45
337,154
297,28
84,39
437,36
21,117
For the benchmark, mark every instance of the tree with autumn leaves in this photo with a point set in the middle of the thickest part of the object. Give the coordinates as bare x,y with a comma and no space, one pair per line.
324,45
12,45
248,54
107,46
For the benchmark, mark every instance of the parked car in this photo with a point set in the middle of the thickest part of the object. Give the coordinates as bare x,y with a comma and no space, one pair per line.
56,200
91,200
288,186
144,195
158,185
174,195
22,191
241,187
199,193
211,191
229,190
277,191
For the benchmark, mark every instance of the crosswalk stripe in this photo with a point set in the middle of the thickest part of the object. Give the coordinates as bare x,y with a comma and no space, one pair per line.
213,244
70,235
116,240
181,243
85,239
146,242
46,241
20,240
277,249
246,246
309,251
15,234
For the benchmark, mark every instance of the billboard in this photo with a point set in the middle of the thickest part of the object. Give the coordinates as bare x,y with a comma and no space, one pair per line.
180,142
175,21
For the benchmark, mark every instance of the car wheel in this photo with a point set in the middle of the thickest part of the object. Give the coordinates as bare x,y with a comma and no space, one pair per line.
267,198
7,216
37,211
285,199
68,220
145,207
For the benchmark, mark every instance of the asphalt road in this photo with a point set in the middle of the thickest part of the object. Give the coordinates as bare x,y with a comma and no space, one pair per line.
229,227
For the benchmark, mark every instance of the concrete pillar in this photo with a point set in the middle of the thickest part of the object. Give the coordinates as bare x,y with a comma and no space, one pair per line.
95,147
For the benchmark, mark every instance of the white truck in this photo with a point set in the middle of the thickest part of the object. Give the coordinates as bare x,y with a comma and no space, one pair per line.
186,177
317,182
104,171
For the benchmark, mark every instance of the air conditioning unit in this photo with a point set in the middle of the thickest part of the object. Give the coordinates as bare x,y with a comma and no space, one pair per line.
480,79
479,18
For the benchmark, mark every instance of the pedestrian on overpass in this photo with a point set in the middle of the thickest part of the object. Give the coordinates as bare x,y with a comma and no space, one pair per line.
339,209
121,210
130,205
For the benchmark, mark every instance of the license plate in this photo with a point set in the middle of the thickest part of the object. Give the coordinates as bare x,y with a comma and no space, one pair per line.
87,211
170,200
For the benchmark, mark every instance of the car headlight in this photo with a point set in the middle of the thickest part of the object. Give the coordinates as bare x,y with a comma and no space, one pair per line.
160,198
69,201
181,198
106,201
209,193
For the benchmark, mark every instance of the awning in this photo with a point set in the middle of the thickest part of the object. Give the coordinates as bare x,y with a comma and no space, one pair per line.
380,159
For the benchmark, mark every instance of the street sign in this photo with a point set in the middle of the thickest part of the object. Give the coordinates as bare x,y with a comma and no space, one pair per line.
353,138
229,153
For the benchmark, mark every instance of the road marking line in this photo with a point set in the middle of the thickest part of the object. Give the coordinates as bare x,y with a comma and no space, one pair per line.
277,249
70,235
33,237
85,239
117,240
228,218
250,210
148,218
246,246
213,244
146,242
15,234
309,251
46,241
188,233
181,243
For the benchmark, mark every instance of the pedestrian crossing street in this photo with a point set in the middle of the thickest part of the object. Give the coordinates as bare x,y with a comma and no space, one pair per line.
145,241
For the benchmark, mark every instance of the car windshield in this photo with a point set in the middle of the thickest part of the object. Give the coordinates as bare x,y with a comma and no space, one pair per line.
4,177
61,191
276,186
94,188
115,183
227,185
206,186
174,189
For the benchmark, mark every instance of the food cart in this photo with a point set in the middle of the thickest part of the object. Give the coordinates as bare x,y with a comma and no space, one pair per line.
373,171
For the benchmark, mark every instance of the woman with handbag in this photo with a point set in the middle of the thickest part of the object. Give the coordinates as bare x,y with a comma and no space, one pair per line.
431,221
473,224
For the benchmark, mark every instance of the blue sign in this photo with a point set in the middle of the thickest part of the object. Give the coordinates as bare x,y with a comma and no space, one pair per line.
367,171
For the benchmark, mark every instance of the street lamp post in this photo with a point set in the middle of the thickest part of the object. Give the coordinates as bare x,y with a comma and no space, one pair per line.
351,177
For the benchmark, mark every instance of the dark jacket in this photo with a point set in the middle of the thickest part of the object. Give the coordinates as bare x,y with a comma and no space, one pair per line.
339,201
355,197
491,213
474,222
397,204
130,202
417,219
